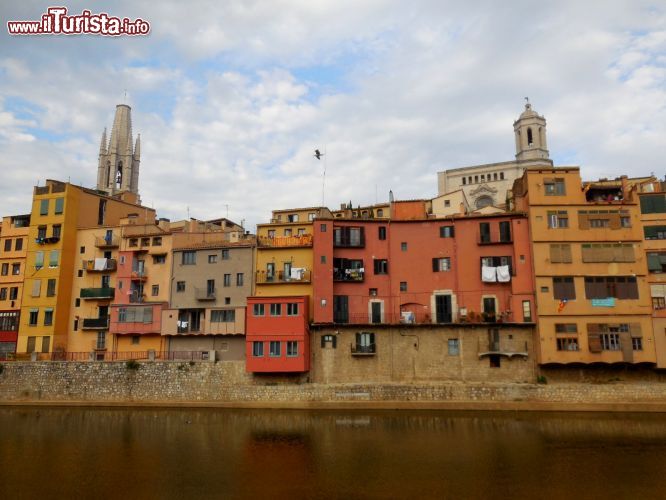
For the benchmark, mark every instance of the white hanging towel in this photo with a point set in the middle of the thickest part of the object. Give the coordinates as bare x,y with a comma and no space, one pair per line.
503,274
100,264
488,274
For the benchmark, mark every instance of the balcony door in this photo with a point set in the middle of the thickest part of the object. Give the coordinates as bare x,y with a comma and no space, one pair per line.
340,308
443,309
270,271
103,311
376,312
489,309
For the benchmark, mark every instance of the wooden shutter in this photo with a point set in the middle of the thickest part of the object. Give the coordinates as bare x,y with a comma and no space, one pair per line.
583,221
556,253
566,253
615,221
435,264
593,337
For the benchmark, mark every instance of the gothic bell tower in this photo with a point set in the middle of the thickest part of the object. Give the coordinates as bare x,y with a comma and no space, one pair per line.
530,132
118,168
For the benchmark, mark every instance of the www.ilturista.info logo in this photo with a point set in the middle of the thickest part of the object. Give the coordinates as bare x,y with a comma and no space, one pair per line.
56,22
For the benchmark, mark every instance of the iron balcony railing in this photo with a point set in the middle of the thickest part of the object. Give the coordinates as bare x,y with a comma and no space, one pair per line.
363,350
109,265
98,293
96,323
112,242
280,277
304,240
348,275
204,293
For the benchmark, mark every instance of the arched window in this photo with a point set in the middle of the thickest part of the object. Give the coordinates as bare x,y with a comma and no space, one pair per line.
119,175
530,139
108,172
476,178
380,213
483,201
501,176
495,176
464,181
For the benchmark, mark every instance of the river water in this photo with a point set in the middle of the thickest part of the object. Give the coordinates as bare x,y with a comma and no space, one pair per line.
220,453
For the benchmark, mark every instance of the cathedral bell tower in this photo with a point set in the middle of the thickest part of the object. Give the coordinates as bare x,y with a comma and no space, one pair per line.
530,131
119,159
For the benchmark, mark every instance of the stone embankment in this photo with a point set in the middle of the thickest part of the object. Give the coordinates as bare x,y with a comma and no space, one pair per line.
227,384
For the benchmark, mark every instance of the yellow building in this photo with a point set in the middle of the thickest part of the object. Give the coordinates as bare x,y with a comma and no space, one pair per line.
593,299
59,211
13,249
285,255
652,196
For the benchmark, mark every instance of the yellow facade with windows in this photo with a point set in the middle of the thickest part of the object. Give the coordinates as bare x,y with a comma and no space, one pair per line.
593,298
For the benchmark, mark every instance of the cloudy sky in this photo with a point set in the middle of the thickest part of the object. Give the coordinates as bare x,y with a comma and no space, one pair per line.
231,98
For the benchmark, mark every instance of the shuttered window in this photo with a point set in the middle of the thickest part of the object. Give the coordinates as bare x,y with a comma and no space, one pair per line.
560,253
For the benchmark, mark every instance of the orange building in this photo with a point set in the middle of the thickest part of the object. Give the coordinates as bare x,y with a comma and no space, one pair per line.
13,248
593,299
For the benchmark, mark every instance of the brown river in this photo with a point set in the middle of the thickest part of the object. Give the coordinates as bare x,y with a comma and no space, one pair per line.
78,453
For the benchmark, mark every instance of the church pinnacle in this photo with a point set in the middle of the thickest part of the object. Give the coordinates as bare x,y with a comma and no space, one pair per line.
118,168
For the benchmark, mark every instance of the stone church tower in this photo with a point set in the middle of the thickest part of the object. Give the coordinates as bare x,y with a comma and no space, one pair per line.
118,169
530,130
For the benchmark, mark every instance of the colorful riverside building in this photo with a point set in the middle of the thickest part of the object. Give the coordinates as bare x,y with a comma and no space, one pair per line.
13,248
211,277
59,211
405,298
593,299
284,274
652,196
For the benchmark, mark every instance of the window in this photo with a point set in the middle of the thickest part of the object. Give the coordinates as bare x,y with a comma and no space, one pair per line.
596,223
34,317
56,231
619,287
301,231
157,259
454,348
564,288
257,349
134,242
380,213
381,266
44,207
224,316
225,254
527,311
157,241
79,273
3,293
189,258
348,237
76,325
39,262
403,286
501,175
16,269
59,205
276,309
608,252
180,286
637,343
403,246
464,181
610,341
51,287
292,348
653,204
83,250
257,309
365,342
212,259
227,300
625,221
497,262
441,264
48,317
322,228
54,256
227,280
13,293
447,203
484,231
5,269
446,232
8,245
292,309
560,253
19,244
136,339
155,290
311,216
41,232
77,302
292,218
654,232
271,233
505,231
381,232
567,343
322,259
372,292
145,242
46,344
554,187
288,232
274,349
558,219
101,212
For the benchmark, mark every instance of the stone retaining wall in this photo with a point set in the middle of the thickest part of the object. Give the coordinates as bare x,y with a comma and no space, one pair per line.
201,382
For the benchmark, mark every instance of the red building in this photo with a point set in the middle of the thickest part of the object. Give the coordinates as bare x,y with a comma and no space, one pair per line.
277,335
9,321
417,269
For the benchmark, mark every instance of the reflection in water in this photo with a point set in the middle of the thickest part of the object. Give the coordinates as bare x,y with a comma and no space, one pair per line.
110,453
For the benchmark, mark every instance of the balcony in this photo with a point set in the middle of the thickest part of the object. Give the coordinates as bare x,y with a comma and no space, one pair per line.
100,265
113,242
280,277
98,293
47,240
95,323
138,276
363,350
502,347
204,294
348,275
366,318
482,240
304,240
137,298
